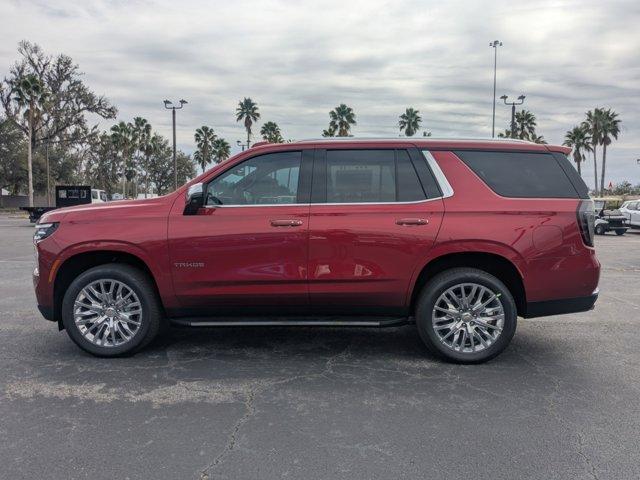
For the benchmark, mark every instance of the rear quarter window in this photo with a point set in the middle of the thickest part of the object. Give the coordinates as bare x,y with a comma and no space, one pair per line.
521,174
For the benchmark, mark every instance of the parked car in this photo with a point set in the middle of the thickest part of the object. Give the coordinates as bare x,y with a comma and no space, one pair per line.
458,237
609,219
631,210
68,195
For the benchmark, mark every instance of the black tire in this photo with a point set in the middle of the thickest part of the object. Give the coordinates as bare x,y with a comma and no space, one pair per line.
140,283
620,232
441,282
599,230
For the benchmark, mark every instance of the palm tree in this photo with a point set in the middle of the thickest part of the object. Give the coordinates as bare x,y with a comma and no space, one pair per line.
578,138
525,125
342,117
148,145
204,138
270,132
410,122
123,137
593,125
30,94
329,132
221,150
248,111
610,129
142,134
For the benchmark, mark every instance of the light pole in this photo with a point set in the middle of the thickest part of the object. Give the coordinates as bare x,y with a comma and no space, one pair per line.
169,105
495,44
513,111
240,144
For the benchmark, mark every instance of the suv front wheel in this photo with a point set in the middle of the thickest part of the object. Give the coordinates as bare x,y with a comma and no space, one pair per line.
466,315
111,310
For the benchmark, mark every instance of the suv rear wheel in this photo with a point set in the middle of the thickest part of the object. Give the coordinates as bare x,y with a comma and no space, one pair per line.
111,310
466,315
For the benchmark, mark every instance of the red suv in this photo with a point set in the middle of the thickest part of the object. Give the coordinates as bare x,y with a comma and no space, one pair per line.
458,237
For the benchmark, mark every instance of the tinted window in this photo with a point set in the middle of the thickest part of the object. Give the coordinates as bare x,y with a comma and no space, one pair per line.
360,176
409,187
262,180
513,174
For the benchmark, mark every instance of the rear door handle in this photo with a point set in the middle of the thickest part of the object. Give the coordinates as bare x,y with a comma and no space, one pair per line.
412,221
286,223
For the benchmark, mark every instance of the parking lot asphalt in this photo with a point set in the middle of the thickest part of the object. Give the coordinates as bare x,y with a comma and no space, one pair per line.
562,402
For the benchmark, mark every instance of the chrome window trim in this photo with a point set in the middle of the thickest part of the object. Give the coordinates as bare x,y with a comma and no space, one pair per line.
445,186
320,204
441,179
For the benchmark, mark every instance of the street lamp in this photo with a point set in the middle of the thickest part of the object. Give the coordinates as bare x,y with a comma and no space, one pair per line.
513,112
495,44
169,105
240,144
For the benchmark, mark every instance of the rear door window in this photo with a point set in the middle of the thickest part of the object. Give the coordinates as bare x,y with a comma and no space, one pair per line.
520,174
371,176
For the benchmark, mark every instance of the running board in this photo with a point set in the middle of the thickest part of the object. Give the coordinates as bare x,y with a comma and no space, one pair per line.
289,322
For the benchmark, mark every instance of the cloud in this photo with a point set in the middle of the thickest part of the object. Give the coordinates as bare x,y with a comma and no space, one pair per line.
298,59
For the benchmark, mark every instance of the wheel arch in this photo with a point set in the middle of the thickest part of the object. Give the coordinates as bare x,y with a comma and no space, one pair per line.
493,263
79,262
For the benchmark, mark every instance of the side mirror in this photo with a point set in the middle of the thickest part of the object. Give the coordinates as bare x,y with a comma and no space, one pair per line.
194,199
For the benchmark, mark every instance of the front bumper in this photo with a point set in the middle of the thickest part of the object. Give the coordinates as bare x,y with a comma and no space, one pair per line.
561,306
46,312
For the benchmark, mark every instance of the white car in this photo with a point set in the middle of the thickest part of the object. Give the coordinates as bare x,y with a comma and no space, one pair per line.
98,196
631,210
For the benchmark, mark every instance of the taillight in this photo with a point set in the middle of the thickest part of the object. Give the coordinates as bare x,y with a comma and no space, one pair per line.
586,219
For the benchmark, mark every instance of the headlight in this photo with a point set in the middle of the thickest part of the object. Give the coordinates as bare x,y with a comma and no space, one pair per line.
43,230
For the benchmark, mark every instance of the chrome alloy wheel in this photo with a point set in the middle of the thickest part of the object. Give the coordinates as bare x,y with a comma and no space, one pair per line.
108,313
468,317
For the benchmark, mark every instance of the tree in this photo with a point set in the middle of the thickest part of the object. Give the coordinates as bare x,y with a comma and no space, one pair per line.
151,147
161,169
221,150
329,132
204,138
410,122
29,94
593,125
248,111
609,129
141,131
123,138
12,153
270,132
341,119
61,119
525,125
579,140
103,167
525,128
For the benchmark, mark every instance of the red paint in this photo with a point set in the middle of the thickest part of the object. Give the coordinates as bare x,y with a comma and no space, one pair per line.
338,255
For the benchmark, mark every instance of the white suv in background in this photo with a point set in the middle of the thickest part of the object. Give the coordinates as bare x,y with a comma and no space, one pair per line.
631,210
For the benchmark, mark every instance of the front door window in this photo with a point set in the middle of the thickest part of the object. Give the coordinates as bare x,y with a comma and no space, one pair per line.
270,179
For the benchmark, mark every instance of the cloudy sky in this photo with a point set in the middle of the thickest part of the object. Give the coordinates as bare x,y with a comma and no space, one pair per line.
299,59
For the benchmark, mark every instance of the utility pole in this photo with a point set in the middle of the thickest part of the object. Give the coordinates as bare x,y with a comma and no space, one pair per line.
169,105
495,44
513,111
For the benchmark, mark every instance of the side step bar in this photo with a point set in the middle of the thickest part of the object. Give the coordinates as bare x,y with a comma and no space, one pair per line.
289,322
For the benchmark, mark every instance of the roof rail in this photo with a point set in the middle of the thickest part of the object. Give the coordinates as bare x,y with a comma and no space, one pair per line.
395,139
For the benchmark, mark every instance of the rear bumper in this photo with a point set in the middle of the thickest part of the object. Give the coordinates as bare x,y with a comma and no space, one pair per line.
561,306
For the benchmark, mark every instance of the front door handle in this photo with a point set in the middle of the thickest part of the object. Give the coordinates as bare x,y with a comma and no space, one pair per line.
286,223
412,221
